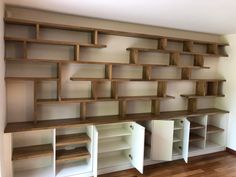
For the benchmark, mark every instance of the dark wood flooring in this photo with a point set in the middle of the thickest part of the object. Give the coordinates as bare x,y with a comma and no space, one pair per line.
221,164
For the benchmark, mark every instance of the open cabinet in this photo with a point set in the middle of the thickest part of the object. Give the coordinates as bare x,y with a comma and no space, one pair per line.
167,140
120,144
32,154
75,151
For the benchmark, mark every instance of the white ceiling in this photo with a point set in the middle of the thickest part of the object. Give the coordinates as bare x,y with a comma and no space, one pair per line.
211,16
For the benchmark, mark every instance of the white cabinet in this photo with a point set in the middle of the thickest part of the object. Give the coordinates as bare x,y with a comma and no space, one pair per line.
169,138
120,144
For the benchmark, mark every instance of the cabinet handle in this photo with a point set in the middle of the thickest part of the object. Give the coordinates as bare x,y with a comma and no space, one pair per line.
131,126
130,156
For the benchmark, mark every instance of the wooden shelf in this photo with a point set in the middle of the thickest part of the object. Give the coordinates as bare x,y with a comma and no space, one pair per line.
35,151
141,80
104,63
43,41
174,51
104,31
213,129
194,137
197,96
63,123
81,100
79,153
72,139
32,78
196,126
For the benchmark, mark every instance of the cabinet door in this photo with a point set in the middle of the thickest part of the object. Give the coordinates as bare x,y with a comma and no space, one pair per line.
186,140
137,146
162,140
95,151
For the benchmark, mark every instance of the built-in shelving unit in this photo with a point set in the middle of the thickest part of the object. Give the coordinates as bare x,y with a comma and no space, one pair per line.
85,145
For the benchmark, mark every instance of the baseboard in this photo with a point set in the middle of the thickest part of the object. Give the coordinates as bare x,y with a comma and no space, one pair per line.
231,151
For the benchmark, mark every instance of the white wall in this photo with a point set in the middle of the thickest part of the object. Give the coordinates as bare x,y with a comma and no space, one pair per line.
2,89
227,69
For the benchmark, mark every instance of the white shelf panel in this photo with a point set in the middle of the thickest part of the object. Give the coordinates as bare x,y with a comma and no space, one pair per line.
113,132
39,172
178,127
111,146
176,152
176,139
112,161
210,144
74,168
193,148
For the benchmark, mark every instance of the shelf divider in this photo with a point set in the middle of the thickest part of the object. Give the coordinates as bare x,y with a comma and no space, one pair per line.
162,43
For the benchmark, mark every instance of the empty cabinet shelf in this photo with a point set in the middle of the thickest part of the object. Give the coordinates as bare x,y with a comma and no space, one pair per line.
195,137
111,146
176,139
112,161
195,126
32,151
79,153
72,139
113,132
213,129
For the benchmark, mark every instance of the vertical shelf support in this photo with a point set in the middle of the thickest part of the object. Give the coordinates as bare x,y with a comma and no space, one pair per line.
212,88
59,76
114,89
36,85
134,56
198,60
94,89
201,88
212,49
122,108
37,29
188,46
108,71
76,52
25,51
162,43
156,107
161,89
186,73
94,38
192,104
83,110
147,72
174,59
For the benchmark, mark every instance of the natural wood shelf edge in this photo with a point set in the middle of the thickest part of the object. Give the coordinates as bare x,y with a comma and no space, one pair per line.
74,122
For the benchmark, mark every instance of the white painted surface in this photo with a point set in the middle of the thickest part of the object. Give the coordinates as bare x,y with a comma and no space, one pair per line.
182,14
226,68
137,144
162,140
2,94
186,139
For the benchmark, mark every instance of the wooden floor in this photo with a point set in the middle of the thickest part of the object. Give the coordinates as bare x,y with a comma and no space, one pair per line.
222,164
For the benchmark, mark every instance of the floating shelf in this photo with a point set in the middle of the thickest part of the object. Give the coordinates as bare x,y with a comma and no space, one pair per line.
174,51
33,78
80,100
43,41
113,132
72,139
213,129
79,153
111,146
35,151
196,126
102,63
151,80
197,96
194,137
